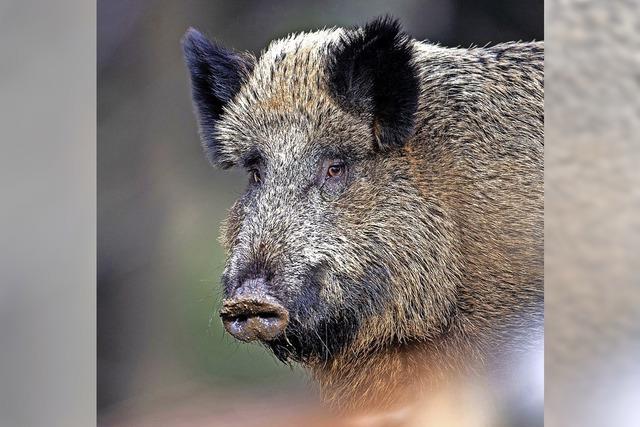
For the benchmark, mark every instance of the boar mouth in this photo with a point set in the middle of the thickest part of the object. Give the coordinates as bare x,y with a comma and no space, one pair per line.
318,342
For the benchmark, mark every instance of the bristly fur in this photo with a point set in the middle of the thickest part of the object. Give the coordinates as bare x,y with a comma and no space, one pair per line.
426,255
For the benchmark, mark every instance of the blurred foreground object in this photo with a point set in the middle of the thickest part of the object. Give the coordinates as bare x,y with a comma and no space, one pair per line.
592,227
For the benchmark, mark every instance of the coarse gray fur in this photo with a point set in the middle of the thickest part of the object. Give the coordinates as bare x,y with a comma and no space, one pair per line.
425,255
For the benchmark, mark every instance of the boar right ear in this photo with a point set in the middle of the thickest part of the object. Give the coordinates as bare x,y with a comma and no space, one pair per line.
372,74
217,74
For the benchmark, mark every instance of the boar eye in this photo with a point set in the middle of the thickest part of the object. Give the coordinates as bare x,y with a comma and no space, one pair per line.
255,177
335,170
334,179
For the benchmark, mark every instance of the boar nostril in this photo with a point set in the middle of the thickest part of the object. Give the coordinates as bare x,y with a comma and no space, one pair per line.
254,318
268,315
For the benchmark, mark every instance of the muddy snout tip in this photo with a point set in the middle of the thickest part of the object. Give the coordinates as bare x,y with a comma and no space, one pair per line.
250,319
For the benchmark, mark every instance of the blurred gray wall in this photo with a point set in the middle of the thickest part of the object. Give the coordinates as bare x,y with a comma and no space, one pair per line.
47,213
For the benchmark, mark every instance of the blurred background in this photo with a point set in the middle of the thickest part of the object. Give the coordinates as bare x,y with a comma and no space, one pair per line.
160,341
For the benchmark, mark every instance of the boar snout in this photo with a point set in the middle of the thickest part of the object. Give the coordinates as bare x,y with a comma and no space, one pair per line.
251,314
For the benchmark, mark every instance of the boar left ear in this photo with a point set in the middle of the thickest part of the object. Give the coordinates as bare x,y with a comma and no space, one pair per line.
372,73
217,74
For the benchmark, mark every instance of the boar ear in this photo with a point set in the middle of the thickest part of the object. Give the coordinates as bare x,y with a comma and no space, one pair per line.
217,75
372,73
